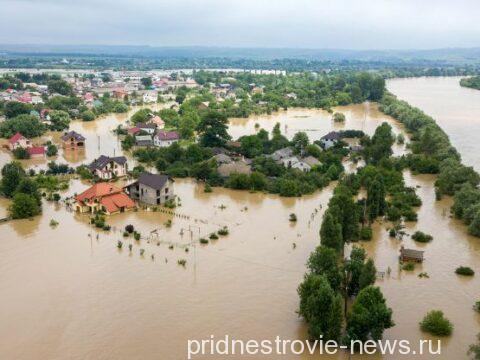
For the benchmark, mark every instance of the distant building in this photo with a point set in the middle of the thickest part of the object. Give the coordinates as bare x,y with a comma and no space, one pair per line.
295,163
103,197
204,105
410,255
165,138
281,154
329,140
18,141
150,96
239,167
73,140
152,189
107,168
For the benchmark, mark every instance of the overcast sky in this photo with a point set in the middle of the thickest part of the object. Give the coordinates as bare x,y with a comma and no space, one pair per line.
347,24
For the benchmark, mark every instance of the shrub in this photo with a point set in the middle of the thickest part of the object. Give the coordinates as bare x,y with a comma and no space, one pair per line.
136,236
465,271
129,228
476,307
203,241
223,231
392,232
213,236
119,244
125,234
436,324
408,266
182,262
56,197
107,227
53,223
21,153
293,217
422,237
207,188
338,117
366,233
24,206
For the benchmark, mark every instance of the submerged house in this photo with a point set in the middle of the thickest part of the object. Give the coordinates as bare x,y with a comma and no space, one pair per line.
152,189
73,140
103,197
165,138
107,168
410,255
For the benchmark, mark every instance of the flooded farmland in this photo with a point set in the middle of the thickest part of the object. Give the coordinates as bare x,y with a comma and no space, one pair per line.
69,293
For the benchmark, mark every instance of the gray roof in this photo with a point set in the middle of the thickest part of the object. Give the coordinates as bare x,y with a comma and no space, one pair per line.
411,253
282,154
154,181
103,160
146,126
332,135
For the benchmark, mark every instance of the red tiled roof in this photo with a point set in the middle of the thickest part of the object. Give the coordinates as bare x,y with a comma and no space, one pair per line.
15,138
36,150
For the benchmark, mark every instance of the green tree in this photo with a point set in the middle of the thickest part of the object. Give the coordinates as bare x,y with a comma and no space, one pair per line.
52,149
369,316
12,174
24,206
87,115
213,129
60,120
251,146
474,350
59,86
300,142
141,116
324,261
376,203
12,109
331,232
321,307
28,125
29,187
146,81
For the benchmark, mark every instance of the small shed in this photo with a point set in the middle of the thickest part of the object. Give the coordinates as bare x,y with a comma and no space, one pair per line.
411,255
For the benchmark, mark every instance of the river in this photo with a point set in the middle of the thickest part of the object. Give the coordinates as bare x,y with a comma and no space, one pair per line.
69,293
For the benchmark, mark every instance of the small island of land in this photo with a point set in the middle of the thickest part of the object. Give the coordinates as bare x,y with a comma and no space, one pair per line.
471,82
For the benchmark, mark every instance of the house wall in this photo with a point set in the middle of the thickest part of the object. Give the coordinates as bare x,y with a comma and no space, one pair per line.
163,143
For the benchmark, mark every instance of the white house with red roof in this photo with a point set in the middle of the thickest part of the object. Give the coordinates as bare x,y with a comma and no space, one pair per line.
165,138
18,141
157,120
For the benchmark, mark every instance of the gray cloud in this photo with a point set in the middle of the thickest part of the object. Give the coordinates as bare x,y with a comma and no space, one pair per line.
353,24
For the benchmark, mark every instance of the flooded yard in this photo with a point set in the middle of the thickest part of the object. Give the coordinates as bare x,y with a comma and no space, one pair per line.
69,293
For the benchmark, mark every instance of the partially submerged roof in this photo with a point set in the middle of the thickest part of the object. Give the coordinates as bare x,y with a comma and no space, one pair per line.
411,253
167,135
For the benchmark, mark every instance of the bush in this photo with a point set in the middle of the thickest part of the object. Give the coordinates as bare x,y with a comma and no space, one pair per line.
213,236
292,218
366,233
21,153
392,232
207,188
136,236
465,271
408,266
129,228
52,150
223,231
422,237
24,206
436,324
87,115
338,117
476,307
203,241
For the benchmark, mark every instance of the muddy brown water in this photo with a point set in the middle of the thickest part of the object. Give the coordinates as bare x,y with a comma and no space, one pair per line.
69,293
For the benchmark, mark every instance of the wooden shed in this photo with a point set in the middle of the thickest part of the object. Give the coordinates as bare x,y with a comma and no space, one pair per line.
411,255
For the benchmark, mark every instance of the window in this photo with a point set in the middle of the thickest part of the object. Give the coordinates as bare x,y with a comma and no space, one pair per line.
158,192
166,190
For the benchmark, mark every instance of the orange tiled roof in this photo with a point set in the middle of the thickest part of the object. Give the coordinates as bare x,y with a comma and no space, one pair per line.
97,191
114,202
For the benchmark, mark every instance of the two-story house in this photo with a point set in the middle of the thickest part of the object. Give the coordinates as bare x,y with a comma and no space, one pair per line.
107,168
151,189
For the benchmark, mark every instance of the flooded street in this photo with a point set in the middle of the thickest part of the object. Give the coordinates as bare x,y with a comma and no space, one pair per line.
69,293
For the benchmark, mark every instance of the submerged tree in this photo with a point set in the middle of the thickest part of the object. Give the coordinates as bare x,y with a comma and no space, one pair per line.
331,232
321,307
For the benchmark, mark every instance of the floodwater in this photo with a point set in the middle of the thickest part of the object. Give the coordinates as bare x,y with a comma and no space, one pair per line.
455,108
69,293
